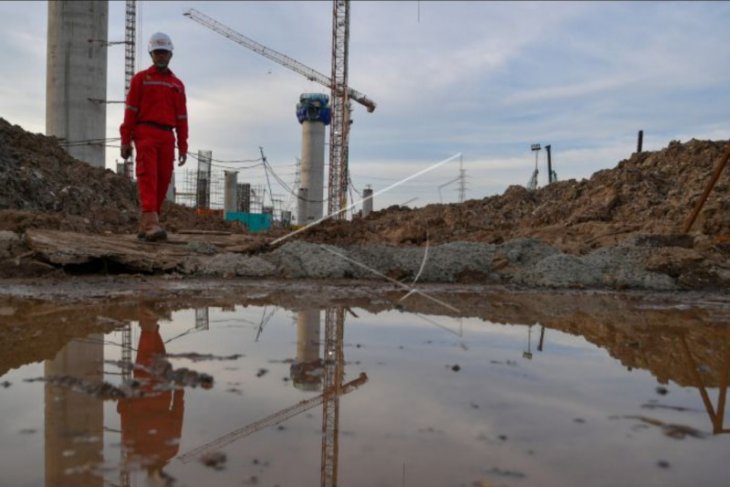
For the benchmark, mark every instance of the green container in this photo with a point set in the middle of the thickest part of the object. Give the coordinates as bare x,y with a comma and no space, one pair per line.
255,222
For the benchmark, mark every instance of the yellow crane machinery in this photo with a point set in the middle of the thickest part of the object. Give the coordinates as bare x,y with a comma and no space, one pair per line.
340,93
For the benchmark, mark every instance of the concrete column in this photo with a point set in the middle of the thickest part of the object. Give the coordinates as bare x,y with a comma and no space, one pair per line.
302,206
76,76
367,202
170,196
313,112
313,168
230,191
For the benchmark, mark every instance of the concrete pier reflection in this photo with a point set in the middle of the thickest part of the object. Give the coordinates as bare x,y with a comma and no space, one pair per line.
306,371
74,421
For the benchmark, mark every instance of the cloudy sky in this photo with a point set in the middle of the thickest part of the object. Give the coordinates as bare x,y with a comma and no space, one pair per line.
481,79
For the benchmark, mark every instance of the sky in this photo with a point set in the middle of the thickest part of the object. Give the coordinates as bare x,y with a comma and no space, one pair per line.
482,81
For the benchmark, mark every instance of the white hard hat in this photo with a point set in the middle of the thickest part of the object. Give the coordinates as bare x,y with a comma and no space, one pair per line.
160,40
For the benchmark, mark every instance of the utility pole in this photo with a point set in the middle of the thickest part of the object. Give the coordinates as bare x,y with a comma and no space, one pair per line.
462,180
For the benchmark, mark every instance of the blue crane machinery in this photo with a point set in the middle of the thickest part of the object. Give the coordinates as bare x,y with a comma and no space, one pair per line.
340,97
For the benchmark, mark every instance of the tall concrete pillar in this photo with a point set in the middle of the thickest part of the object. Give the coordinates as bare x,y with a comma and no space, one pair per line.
303,197
313,112
76,77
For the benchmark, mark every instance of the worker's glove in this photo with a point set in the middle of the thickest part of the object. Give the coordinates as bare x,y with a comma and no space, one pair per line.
126,151
182,158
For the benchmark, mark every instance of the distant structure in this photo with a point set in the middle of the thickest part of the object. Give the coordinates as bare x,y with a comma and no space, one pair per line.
367,201
230,191
552,175
76,77
462,180
532,183
313,113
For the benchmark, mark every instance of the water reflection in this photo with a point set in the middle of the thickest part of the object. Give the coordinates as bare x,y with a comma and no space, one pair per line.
309,372
307,369
74,420
687,347
716,414
152,420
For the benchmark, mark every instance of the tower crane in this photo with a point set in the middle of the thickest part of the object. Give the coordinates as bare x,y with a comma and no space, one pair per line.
282,59
340,126
340,96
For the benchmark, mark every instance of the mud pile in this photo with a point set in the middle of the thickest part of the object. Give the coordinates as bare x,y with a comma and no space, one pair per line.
44,187
649,193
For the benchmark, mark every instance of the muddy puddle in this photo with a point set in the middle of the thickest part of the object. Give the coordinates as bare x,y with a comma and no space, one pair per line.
277,389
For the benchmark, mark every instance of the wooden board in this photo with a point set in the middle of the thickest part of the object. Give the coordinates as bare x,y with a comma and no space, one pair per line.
69,248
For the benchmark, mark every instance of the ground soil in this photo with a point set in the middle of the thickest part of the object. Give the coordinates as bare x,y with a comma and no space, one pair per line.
648,193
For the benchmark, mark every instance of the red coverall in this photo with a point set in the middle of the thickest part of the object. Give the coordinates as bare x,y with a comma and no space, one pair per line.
152,423
155,105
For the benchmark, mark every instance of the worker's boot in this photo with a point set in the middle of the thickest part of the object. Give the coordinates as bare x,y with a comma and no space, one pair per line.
150,225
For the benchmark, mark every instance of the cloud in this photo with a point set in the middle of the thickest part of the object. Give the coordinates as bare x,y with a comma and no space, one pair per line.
486,79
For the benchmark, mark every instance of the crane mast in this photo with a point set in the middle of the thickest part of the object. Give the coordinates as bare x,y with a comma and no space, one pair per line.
334,360
130,29
340,126
130,32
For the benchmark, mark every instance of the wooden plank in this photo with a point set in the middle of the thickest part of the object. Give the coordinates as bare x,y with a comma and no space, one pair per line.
68,248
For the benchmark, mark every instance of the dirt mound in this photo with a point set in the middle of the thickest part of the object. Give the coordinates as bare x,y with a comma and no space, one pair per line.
44,187
651,192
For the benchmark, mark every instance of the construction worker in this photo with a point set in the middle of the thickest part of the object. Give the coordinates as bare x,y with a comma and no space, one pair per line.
155,106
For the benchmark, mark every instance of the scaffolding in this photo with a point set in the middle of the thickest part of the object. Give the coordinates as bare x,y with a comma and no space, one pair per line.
205,190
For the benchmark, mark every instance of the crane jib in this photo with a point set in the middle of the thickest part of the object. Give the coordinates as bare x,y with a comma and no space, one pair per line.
277,57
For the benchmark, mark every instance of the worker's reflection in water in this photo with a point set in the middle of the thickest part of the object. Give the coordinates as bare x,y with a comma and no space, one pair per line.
151,423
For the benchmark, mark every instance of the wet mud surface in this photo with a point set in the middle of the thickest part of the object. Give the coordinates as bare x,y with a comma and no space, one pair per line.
139,381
